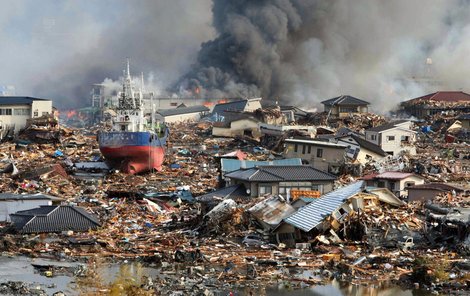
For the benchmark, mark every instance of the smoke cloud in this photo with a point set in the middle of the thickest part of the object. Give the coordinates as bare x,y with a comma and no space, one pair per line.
304,51
293,51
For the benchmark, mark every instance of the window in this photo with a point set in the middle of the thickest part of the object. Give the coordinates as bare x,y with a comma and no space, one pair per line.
347,109
36,113
296,148
309,149
173,104
373,137
264,189
26,112
303,149
381,184
5,111
319,152
408,184
390,138
45,113
123,127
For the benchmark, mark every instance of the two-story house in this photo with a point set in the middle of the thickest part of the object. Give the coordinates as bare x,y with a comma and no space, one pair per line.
322,155
282,179
15,111
393,137
344,106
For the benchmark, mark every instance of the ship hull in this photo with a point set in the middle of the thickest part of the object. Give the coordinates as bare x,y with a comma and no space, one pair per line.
133,152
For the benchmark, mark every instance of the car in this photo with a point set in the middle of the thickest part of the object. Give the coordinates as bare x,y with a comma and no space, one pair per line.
253,240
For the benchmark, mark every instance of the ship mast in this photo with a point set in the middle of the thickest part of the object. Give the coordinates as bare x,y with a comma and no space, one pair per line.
127,100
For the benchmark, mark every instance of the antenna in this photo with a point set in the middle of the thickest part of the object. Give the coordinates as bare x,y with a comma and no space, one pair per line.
142,87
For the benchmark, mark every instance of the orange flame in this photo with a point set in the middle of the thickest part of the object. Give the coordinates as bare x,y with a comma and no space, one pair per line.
71,113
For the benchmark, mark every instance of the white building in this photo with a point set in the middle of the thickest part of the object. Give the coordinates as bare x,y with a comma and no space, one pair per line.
181,114
14,111
361,150
11,203
393,137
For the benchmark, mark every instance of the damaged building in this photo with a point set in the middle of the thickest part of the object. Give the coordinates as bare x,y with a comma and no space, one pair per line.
437,103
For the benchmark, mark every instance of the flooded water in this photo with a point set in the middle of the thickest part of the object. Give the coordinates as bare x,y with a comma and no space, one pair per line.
21,269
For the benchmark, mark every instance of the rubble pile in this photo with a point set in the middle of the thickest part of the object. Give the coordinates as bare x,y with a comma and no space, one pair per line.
154,218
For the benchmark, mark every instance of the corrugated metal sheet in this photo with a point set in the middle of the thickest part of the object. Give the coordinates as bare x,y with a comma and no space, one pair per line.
230,165
311,215
271,211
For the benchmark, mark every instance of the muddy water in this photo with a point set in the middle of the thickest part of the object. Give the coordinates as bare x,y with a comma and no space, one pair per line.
20,269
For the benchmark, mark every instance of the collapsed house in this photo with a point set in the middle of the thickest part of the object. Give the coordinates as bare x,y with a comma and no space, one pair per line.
436,103
322,218
360,150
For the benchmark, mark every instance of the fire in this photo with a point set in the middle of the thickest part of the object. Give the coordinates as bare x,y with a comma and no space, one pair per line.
71,113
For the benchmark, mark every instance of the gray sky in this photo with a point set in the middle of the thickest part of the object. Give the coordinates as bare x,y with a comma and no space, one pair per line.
295,51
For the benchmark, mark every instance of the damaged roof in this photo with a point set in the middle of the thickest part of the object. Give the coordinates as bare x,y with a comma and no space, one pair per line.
281,173
309,216
182,110
443,96
37,196
271,210
54,219
387,126
233,192
345,100
366,144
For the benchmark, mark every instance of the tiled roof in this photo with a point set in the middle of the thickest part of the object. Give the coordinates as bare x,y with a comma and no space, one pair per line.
230,165
19,100
386,126
281,173
444,96
182,110
54,219
311,215
345,100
